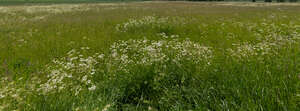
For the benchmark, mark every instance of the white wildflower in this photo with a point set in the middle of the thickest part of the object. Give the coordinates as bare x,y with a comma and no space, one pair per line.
92,88
106,107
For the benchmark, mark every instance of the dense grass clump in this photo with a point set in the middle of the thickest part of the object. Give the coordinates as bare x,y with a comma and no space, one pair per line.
146,56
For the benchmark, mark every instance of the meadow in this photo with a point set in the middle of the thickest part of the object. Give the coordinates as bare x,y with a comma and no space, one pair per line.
156,56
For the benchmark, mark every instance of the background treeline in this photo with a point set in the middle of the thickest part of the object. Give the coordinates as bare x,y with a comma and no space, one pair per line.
3,1
72,0
64,1
21,2
243,0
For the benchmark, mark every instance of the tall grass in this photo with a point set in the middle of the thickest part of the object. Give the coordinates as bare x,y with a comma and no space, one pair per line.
149,56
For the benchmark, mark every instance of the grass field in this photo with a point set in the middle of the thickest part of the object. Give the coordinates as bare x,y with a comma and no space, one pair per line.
159,56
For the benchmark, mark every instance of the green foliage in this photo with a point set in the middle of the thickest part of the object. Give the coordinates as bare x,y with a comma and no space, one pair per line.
146,56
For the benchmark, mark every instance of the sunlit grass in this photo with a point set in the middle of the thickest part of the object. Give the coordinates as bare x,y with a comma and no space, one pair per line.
149,56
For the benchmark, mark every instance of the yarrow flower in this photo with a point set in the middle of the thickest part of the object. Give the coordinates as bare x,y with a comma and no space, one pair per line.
73,72
150,22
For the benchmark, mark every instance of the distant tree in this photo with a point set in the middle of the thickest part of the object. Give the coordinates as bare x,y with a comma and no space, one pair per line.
268,0
292,0
253,0
280,0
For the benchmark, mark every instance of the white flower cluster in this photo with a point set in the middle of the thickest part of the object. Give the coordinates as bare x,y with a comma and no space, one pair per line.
8,90
14,92
146,22
246,50
165,36
149,52
271,38
73,73
45,8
